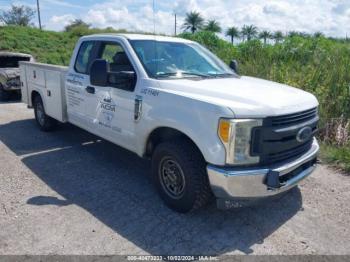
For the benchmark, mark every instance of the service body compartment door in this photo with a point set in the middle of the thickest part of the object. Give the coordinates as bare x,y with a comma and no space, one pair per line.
54,95
47,80
24,87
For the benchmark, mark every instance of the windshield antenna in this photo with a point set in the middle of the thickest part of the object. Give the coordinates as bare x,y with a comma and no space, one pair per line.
154,17
154,35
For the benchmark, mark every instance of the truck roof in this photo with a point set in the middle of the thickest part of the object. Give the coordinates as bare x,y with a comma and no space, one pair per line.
140,37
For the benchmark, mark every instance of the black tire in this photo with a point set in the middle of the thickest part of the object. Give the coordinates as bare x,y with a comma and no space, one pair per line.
44,122
195,191
4,95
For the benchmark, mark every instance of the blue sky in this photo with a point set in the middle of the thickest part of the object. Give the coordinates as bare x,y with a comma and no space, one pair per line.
329,16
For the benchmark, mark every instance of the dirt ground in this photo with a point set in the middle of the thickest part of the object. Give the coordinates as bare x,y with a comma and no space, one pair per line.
68,192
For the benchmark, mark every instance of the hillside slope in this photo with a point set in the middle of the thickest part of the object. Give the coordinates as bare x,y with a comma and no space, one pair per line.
46,46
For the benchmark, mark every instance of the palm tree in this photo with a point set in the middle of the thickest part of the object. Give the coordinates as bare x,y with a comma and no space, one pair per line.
213,26
265,35
278,36
232,32
249,31
193,21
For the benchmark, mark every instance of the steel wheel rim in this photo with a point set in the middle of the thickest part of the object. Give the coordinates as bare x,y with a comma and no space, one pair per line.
40,114
172,178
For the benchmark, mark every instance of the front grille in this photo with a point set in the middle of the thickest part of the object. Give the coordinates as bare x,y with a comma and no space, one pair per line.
276,141
293,119
291,153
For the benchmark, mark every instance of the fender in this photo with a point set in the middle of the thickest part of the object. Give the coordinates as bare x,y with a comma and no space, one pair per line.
196,119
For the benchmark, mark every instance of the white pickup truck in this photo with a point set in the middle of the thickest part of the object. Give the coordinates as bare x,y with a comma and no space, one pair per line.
207,130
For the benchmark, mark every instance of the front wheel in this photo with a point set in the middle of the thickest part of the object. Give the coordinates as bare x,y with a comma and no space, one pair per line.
45,122
179,173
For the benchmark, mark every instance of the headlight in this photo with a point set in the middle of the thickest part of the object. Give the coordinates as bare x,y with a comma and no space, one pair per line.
236,136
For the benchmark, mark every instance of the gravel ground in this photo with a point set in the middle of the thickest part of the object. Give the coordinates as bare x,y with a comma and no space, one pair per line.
68,192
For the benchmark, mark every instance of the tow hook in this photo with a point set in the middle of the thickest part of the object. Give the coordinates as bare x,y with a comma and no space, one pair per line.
272,180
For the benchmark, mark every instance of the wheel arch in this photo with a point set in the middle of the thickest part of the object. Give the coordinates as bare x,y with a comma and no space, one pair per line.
165,133
34,93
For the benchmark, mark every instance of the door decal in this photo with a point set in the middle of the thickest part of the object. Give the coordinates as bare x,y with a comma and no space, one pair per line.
107,113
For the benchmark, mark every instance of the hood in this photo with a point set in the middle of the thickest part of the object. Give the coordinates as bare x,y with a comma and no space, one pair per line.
245,96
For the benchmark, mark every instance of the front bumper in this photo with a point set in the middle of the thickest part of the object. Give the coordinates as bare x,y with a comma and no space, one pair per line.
252,183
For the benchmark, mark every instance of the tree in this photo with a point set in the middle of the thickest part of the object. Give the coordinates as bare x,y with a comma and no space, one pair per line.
232,32
18,15
193,22
296,33
249,31
278,36
213,26
293,33
318,34
77,23
265,35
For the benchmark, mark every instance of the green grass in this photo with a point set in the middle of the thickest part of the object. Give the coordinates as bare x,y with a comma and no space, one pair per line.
337,156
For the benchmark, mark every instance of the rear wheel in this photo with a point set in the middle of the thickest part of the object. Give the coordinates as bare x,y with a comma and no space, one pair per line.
179,173
45,122
4,95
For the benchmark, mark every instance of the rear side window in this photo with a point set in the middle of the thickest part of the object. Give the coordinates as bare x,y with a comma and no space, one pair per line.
84,56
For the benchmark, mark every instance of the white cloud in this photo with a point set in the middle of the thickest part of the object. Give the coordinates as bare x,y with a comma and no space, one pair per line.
61,3
59,22
329,16
114,14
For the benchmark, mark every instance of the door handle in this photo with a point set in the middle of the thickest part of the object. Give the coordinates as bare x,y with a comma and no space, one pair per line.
90,89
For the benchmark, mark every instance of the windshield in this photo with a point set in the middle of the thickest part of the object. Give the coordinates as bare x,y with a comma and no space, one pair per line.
11,61
179,60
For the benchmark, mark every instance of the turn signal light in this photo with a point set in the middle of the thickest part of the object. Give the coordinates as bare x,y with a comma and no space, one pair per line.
224,130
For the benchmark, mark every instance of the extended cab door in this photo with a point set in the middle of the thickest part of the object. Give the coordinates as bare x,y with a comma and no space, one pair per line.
111,108
77,83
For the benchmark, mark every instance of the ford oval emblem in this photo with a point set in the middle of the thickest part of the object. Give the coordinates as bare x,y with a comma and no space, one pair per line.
304,134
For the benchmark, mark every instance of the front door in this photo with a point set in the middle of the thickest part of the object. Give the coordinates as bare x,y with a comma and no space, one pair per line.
111,109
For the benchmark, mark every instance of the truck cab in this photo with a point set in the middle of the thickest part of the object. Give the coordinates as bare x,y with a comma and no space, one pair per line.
207,130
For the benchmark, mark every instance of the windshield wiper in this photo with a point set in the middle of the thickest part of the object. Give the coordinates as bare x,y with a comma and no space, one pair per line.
222,75
165,74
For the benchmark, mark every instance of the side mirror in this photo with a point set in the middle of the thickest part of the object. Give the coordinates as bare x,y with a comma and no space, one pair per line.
234,66
121,75
99,72
123,79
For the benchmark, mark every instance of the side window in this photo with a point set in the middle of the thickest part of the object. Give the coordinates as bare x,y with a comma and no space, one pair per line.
83,57
115,55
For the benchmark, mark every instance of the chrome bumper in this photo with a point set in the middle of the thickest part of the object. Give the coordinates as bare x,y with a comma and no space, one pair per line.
233,183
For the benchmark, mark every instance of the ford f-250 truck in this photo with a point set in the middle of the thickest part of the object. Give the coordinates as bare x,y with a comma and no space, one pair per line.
207,130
